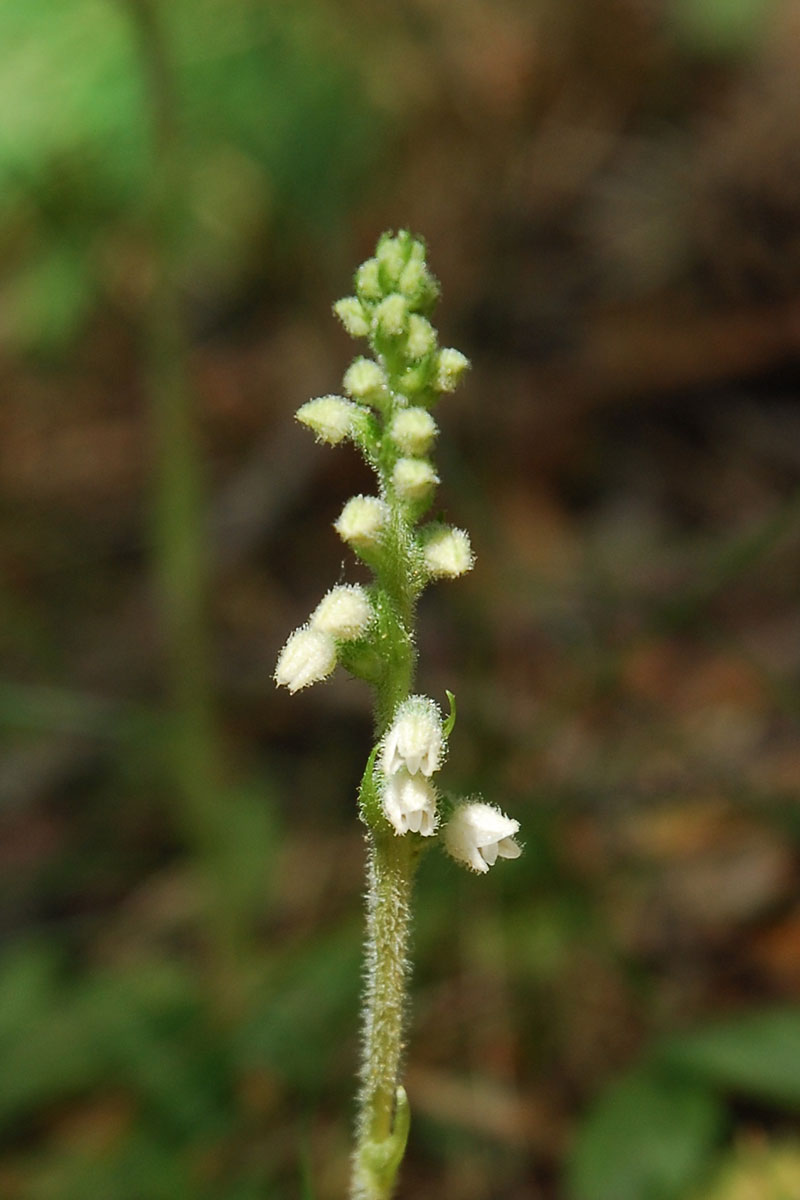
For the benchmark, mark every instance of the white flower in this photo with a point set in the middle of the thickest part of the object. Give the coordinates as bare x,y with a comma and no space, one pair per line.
331,418
478,834
414,741
413,478
308,656
364,380
362,521
391,316
450,366
351,313
413,430
409,803
447,552
344,613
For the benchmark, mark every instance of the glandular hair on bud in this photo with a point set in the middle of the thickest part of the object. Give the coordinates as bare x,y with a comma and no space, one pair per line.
362,521
365,381
351,313
330,418
391,316
414,478
308,657
447,552
413,430
345,613
421,338
450,366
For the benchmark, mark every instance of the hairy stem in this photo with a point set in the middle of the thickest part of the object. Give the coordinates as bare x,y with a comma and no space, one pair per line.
392,864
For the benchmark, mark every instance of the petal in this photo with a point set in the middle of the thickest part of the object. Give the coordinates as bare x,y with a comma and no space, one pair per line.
489,853
508,848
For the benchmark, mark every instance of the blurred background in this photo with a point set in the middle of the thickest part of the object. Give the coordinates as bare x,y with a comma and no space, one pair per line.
609,191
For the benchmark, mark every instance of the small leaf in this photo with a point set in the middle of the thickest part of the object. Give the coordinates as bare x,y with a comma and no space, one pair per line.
646,1138
449,724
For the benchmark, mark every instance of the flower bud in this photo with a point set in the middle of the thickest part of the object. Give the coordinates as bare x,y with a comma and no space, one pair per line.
413,430
345,613
414,479
409,804
368,284
450,366
421,337
365,381
331,418
308,657
478,834
391,257
391,316
415,740
362,522
447,552
351,313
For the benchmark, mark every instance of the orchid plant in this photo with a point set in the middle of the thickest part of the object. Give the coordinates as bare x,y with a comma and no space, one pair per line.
386,411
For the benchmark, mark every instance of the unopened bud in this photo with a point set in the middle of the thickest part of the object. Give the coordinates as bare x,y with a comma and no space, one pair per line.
308,657
447,552
365,381
330,418
362,522
351,313
391,316
345,613
413,430
421,337
450,366
368,284
414,478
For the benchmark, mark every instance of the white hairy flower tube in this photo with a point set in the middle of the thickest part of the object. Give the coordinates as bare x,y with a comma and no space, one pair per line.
414,742
478,834
344,613
308,657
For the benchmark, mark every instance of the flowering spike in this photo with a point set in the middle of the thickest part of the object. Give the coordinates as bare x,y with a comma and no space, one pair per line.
369,631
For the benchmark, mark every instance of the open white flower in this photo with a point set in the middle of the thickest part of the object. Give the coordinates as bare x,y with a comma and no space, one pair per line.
308,657
414,741
409,803
344,613
478,834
